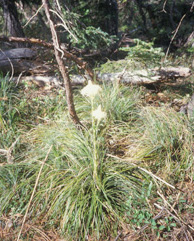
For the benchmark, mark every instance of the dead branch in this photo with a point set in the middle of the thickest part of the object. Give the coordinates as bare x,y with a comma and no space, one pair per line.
64,72
8,152
33,16
82,64
173,37
137,77
176,30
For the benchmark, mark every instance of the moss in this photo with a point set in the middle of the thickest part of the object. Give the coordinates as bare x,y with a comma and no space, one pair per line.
119,66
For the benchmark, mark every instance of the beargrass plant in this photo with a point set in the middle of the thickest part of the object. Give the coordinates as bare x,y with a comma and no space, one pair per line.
81,189
121,103
164,141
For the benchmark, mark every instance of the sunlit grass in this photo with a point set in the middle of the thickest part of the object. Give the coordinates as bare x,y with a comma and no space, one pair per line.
68,194
82,189
91,180
121,103
163,142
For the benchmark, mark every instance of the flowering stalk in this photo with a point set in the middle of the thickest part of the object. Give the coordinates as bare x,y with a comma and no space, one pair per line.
91,90
94,137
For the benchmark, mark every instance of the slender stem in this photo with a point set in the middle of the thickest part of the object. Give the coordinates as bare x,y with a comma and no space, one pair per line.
95,158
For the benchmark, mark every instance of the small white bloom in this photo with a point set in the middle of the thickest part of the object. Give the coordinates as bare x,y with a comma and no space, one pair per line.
90,90
99,114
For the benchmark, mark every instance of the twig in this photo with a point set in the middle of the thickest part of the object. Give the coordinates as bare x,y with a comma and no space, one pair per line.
33,16
118,44
118,236
164,5
154,176
9,151
19,77
166,55
192,7
177,217
58,5
177,197
46,238
146,171
36,183
176,31
64,24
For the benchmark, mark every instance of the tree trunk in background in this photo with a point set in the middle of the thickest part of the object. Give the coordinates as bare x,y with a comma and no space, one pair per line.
108,9
141,11
12,23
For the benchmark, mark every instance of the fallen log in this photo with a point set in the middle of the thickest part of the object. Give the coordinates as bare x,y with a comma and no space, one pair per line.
139,77
16,60
150,76
18,53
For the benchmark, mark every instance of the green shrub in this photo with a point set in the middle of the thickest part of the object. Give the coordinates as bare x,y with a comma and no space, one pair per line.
145,53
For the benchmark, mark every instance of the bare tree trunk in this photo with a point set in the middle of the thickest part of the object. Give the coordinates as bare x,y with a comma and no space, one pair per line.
109,11
11,20
62,68
141,11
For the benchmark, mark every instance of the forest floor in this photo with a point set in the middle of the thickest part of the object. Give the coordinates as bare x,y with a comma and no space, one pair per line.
143,130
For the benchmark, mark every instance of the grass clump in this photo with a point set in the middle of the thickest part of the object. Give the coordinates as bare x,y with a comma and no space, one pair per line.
6,99
164,141
98,179
8,118
81,189
121,103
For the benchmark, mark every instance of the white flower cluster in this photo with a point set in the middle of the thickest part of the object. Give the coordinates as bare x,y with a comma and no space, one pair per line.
98,114
91,90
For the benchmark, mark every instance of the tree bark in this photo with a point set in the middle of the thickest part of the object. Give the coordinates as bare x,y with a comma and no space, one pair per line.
141,11
108,9
11,20
62,68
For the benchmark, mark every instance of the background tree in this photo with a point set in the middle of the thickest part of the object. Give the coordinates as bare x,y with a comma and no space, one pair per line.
12,23
157,19
102,13
11,20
